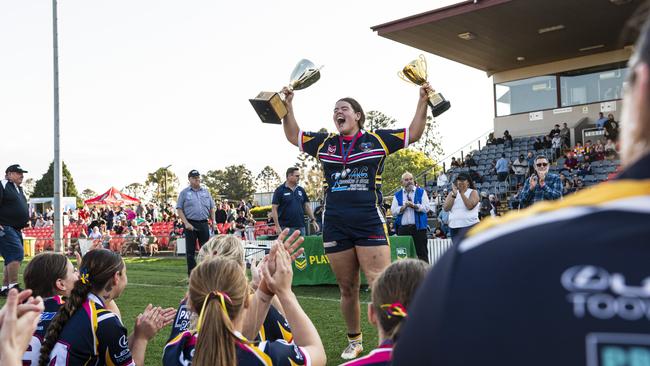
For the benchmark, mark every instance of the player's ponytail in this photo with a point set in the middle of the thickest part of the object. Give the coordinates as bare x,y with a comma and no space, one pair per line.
98,268
217,294
393,291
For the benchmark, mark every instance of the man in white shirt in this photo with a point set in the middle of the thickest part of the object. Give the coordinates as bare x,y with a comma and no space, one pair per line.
410,206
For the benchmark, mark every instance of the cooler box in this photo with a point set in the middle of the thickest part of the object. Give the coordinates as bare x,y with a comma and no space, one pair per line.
180,246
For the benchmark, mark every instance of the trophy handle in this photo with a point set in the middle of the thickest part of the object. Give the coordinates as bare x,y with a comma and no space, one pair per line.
401,76
423,61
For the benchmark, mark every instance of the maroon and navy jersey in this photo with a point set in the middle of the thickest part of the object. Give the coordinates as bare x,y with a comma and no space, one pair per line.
381,356
92,336
353,178
275,326
180,351
52,305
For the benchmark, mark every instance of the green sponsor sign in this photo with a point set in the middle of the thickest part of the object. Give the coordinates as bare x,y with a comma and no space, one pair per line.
313,267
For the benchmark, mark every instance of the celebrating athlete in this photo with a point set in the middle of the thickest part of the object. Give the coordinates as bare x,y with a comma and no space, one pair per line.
354,228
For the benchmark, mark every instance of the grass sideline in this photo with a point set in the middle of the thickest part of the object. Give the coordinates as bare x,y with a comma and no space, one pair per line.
162,282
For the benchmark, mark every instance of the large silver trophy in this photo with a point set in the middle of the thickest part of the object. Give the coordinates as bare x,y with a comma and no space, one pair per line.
416,72
270,106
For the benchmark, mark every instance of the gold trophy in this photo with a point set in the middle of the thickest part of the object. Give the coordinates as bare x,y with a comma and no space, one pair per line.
416,72
270,106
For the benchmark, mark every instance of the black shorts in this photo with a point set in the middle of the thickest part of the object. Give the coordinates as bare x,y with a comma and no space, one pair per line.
339,236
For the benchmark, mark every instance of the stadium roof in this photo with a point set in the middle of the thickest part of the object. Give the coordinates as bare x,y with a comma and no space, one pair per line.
498,32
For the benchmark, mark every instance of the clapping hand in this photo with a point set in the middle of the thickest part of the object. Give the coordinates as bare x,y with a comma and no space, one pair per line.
277,272
17,324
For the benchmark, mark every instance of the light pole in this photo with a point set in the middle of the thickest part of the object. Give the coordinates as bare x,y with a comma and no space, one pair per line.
167,167
58,224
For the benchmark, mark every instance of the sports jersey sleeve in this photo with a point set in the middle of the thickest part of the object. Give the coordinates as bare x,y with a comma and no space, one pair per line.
283,353
393,140
113,341
179,350
182,320
309,142
276,327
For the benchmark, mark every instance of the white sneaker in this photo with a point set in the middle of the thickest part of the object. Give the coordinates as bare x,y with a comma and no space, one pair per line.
353,350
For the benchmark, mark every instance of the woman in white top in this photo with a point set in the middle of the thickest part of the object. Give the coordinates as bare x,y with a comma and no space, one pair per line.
462,205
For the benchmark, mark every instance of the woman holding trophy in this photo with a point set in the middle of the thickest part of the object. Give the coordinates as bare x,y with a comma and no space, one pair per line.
354,227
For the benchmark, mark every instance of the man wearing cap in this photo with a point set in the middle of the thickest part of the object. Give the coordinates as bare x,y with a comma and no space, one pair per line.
14,215
195,206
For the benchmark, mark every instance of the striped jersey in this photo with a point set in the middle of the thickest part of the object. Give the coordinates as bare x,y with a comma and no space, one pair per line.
275,325
52,305
352,168
561,283
92,336
180,351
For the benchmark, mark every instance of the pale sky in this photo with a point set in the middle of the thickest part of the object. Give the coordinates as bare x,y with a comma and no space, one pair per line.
148,83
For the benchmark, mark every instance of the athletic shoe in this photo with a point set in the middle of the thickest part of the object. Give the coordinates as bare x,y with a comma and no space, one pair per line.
353,350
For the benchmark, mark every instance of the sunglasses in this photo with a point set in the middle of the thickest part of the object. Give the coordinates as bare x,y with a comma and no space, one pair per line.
539,165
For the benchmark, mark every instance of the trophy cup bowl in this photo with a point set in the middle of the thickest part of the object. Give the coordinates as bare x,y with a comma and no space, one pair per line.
416,72
270,106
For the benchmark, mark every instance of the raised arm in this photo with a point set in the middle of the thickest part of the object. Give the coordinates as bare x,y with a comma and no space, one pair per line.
289,123
416,129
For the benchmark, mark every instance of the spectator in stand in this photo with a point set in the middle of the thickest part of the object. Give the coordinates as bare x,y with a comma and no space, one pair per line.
555,131
600,122
140,210
570,163
95,234
290,204
599,151
556,144
507,139
531,162
538,145
610,148
442,180
454,163
485,206
566,184
221,217
495,205
584,169
503,168
513,201
541,186
438,233
611,128
579,150
39,222
520,167
118,228
469,161
579,184
565,134
462,203
476,177
547,144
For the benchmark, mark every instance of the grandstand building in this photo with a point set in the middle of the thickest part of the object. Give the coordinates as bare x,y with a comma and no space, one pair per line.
551,61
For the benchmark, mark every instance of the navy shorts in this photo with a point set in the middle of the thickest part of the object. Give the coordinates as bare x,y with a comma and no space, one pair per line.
339,236
11,245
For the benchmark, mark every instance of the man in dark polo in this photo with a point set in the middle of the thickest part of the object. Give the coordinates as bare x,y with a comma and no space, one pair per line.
14,216
290,203
195,206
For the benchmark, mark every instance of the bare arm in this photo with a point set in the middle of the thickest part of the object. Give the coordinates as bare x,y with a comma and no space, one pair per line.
274,214
256,313
472,201
420,119
289,122
449,202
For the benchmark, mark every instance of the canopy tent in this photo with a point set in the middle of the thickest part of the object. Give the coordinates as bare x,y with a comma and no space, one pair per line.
112,197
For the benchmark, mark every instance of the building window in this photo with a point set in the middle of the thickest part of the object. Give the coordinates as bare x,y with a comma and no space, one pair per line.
592,86
526,95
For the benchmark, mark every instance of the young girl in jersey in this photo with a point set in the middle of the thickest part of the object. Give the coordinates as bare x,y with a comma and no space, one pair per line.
391,295
274,325
218,294
84,331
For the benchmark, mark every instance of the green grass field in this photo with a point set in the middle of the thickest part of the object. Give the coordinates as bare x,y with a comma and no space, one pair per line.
162,282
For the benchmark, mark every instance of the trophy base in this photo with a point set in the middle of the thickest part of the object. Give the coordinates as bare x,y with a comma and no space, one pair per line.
269,107
439,108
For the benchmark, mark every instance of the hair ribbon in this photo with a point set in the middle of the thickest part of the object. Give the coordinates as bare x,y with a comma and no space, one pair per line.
395,309
222,297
